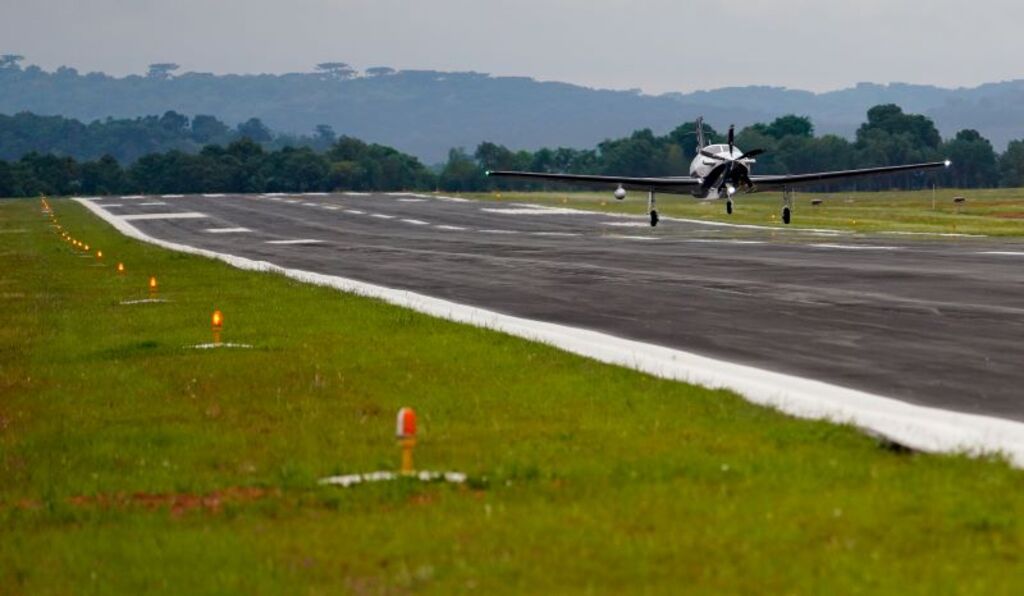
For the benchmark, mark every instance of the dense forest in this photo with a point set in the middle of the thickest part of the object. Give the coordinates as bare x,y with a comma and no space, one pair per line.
888,137
424,113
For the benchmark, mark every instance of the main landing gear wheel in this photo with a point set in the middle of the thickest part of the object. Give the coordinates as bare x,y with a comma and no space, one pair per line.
786,215
654,218
728,207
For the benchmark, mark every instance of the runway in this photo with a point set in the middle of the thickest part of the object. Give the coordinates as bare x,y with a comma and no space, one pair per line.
935,321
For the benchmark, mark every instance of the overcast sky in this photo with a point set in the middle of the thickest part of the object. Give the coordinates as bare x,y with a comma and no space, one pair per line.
654,45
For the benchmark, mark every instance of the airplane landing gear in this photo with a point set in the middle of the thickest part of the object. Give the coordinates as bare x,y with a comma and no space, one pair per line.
786,215
728,207
651,208
787,205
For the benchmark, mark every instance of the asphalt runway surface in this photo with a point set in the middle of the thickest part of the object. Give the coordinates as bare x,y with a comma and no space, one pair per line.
931,320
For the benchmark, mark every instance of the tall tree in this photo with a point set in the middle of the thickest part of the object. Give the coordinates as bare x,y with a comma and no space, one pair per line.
162,70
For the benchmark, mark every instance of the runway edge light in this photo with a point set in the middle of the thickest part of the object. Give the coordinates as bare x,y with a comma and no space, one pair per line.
216,323
405,431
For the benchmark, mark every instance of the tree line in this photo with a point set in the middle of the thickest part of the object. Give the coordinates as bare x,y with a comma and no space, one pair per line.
888,137
128,139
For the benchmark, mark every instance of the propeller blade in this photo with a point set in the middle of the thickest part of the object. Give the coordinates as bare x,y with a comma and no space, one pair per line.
711,155
751,153
732,137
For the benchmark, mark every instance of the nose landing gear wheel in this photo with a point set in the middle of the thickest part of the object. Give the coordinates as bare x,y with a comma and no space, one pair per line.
654,218
786,216
728,207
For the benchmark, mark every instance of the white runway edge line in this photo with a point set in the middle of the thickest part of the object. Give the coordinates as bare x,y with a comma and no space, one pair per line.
1005,253
919,427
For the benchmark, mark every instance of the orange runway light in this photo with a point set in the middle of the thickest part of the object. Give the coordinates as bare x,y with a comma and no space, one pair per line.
217,319
86,247
405,430
99,254
152,284
120,267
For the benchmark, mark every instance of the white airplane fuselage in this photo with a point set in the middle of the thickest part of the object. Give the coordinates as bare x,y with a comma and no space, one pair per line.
702,166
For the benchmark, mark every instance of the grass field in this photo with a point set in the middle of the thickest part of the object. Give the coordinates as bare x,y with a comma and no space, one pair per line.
130,463
994,212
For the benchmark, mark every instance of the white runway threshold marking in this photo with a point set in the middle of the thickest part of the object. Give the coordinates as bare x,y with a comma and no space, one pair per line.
178,215
918,427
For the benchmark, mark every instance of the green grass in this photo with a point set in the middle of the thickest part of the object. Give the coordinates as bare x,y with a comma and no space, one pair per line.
994,212
585,477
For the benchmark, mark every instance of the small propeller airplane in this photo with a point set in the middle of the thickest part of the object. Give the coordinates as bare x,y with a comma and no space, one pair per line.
718,172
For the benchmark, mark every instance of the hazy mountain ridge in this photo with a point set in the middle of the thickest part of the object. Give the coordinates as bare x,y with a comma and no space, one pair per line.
425,113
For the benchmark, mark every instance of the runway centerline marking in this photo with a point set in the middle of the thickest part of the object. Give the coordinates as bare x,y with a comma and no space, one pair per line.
412,200
853,246
556,234
1004,253
214,196
492,231
172,196
355,212
331,207
628,237
415,222
227,230
152,204
179,215
382,216
296,241
449,227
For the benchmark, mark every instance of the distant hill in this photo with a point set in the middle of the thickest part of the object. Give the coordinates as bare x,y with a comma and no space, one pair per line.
426,113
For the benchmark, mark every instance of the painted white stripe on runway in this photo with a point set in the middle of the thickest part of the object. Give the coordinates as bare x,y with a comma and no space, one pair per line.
626,224
109,205
355,212
531,211
331,207
382,216
452,199
314,194
172,196
918,427
490,231
452,228
311,204
721,241
1005,253
227,230
178,215
854,246
628,237
943,234
412,200
152,204
356,194
556,234
415,222
296,241
214,196
132,197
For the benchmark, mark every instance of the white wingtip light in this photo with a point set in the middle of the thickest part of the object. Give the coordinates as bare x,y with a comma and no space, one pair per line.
949,162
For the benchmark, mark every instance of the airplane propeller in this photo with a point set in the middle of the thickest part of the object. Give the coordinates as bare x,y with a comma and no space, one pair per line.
724,171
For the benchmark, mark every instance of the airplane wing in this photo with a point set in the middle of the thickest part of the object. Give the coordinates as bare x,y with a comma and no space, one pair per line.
677,184
763,183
